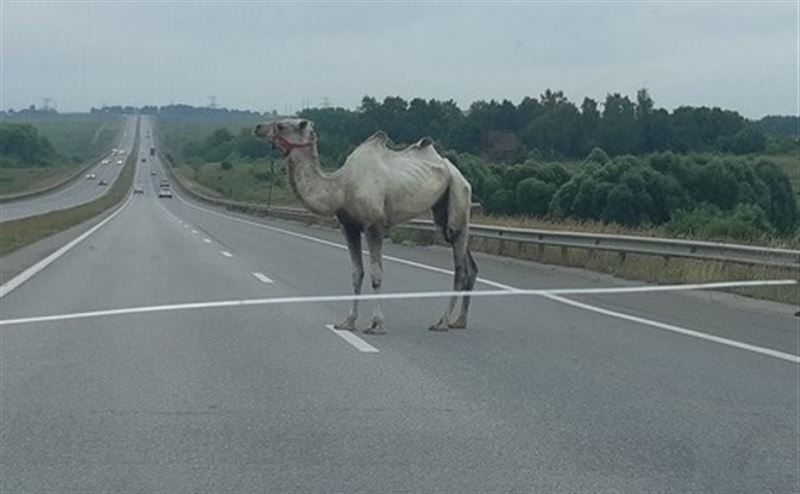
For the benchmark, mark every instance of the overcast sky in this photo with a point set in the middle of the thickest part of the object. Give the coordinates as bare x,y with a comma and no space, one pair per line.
263,56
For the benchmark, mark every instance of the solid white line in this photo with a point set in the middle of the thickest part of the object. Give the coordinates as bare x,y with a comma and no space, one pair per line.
384,296
207,240
24,276
262,277
676,329
354,340
226,253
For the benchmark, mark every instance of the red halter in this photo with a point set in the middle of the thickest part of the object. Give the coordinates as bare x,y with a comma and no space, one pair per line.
288,146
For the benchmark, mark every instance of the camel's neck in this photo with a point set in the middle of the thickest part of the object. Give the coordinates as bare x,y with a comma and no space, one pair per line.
318,192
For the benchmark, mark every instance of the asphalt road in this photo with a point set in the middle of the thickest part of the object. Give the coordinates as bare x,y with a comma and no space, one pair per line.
536,396
79,192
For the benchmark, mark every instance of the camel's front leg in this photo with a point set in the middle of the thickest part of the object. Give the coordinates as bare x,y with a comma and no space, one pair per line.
374,241
353,237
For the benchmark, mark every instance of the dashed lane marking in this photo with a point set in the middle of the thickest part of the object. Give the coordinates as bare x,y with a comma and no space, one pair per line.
350,337
263,278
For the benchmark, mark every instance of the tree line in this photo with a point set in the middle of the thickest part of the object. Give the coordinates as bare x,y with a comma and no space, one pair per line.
550,127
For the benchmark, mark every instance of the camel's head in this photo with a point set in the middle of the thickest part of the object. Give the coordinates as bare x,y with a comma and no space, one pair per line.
287,134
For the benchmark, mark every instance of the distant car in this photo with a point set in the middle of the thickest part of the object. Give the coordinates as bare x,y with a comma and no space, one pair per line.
164,182
119,162
91,176
153,172
138,190
165,192
144,160
102,182
105,162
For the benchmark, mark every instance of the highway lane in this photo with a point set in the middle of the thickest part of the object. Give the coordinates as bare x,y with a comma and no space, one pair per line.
535,396
82,190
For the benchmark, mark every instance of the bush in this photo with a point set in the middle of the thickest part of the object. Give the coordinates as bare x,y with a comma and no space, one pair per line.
533,197
597,155
500,202
226,165
745,222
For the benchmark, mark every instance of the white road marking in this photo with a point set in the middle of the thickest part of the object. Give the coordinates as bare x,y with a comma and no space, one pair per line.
24,276
226,253
263,278
354,340
194,232
676,329
207,240
388,296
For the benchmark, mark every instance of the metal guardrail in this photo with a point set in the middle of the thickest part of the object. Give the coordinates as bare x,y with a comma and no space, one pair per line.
622,244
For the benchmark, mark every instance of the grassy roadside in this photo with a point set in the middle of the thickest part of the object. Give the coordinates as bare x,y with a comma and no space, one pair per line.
21,180
16,234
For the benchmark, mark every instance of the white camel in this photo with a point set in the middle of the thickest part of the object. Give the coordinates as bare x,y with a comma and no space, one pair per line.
374,190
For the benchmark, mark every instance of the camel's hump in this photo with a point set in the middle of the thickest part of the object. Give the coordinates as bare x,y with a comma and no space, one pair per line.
424,142
380,137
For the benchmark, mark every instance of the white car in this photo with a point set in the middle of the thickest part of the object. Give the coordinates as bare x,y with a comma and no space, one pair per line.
119,162
91,176
165,192
106,162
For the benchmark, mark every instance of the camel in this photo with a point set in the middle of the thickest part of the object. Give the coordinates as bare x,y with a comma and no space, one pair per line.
375,189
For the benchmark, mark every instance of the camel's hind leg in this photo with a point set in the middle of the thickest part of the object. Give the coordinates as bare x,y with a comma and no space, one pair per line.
374,243
466,271
471,275
352,234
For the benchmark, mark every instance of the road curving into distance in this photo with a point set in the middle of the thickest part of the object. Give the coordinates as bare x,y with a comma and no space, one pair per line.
82,190
537,395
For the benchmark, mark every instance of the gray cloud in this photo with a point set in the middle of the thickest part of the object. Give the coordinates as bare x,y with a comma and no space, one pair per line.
741,56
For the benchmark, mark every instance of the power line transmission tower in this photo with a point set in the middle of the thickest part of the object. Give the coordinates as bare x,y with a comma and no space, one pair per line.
46,103
326,102
212,101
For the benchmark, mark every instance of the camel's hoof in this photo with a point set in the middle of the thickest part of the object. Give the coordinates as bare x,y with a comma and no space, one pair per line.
438,327
457,325
345,326
375,330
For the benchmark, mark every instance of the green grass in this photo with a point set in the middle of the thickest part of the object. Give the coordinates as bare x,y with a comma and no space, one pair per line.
16,234
77,136
245,182
20,180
